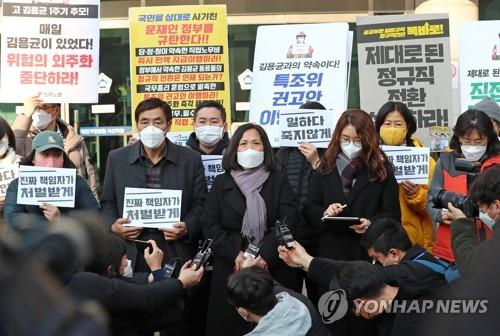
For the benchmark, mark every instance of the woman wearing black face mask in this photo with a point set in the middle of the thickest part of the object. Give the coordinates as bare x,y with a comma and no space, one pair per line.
8,158
474,140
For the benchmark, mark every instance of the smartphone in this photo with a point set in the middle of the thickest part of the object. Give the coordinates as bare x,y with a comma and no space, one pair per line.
346,220
142,244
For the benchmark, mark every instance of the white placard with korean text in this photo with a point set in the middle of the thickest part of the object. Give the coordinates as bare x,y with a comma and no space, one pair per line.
410,163
213,167
294,65
313,126
479,62
152,208
7,174
51,47
38,185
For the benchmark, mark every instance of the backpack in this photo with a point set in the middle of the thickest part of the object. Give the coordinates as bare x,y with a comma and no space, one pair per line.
448,270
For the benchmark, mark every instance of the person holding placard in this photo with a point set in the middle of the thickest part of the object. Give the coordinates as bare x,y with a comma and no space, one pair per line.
156,163
210,129
241,211
474,145
396,126
299,163
30,221
8,160
353,184
39,116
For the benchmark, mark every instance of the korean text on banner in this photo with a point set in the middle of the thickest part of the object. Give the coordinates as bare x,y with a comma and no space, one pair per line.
313,126
293,65
38,185
180,55
213,167
479,62
152,208
51,47
410,163
406,58
7,174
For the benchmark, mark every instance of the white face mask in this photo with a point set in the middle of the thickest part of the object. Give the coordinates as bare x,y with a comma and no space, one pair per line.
250,158
152,137
486,219
351,150
209,135
4,146
128,272
41,119
473,153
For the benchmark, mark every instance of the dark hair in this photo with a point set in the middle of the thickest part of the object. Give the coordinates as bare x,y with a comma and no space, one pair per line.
210,103
109,258
391,106
486,187
230,162
5,129
385,234
371,154
152,103
359,279
28,161
252,289
475,120
312,105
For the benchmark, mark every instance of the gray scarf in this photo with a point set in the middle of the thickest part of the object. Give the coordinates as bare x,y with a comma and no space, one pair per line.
250,182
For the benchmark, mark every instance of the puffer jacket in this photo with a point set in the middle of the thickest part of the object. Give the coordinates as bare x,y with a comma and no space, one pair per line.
414,216
74,146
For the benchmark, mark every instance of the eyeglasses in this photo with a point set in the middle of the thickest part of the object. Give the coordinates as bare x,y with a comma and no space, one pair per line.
356,143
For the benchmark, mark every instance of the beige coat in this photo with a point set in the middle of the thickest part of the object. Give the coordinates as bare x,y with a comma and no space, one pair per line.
74,146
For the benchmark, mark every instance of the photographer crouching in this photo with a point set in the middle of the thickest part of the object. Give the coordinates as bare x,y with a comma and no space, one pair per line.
468,245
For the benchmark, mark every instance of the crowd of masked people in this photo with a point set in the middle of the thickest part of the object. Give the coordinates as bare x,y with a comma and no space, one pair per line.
405,245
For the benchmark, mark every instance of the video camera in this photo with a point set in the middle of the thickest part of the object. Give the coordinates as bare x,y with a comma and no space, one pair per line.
440,198
283,234
204,253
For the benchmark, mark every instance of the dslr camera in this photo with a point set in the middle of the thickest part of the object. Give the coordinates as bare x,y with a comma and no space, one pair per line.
204,253
440,198
283,234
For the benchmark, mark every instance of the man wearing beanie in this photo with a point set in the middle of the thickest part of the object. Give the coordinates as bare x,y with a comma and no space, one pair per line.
491,108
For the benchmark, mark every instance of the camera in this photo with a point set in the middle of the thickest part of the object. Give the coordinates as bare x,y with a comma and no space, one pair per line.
283,234
204,253
441,198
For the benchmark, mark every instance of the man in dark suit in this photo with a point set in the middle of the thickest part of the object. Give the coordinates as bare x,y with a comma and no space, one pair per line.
155,162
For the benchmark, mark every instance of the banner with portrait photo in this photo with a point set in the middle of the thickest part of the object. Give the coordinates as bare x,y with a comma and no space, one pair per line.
292,65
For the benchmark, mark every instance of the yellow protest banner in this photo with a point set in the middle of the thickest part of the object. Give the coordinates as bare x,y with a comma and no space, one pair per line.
180,55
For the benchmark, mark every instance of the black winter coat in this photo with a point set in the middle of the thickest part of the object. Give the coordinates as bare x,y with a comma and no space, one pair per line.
366,200
223,216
